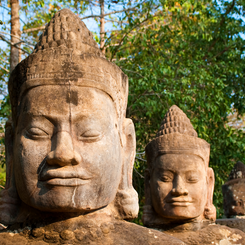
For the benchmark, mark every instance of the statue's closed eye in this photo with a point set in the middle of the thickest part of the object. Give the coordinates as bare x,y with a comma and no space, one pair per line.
167,178
36,133
192,179
91,136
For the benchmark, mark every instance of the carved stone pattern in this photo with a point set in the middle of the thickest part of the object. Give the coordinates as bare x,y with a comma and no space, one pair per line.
174,121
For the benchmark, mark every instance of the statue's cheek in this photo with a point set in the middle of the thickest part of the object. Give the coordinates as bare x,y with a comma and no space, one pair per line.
30,155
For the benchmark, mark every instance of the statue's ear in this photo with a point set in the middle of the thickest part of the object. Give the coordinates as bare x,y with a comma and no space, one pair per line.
210,210
127,198
9,199
129,150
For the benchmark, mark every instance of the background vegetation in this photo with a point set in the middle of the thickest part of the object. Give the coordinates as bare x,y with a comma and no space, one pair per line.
189,53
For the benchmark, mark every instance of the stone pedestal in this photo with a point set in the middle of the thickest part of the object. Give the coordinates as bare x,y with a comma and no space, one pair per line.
107,233
236,223
212,234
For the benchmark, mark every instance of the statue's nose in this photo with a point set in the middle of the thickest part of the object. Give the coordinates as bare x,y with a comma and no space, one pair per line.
179,188
63,152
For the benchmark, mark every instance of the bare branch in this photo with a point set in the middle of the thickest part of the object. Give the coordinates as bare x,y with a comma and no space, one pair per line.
4,69
2,226
140,153
113,12
4,61
117,21
141,159
138,173
126,34
8,42
21,40
34,29
9,11
5,8
134,73
2,187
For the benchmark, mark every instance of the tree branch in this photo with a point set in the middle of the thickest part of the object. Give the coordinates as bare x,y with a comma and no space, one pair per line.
136,99
22,41
220,24
134,73
117,21
4,69
220,53
138,173
9,11
127,33
140,153
8,42
34,29
4,61
113,12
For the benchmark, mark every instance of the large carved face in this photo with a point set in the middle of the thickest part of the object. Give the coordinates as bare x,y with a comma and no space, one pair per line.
67,152
179,186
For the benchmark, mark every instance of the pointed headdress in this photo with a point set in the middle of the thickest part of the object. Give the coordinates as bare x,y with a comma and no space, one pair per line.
177,136
67,54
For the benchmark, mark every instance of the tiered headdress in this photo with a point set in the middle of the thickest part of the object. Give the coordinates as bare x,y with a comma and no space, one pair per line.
67,54
177,136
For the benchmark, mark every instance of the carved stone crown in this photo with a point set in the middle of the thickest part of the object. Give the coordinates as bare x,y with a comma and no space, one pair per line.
65,28
177,136
67,54
176,121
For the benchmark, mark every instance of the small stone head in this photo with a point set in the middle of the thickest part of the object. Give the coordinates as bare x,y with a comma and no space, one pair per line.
69,146
178,184
234,192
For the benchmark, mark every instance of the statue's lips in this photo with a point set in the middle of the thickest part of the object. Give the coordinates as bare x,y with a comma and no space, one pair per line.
184,202
60,177
67,182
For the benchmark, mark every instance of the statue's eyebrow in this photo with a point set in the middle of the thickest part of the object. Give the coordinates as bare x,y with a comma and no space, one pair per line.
81,115
162,169
51,119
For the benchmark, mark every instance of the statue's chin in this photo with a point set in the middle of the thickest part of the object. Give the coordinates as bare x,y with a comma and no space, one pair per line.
64,206
183,214
66,209
82,199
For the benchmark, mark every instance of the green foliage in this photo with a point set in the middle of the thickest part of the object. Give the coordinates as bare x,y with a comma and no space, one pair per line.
2,177
190,54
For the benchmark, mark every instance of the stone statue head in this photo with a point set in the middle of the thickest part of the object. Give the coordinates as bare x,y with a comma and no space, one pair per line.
178,182
234,192
69,146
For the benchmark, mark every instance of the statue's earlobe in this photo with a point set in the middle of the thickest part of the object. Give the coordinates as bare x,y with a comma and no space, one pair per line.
9,199
210,210
127,198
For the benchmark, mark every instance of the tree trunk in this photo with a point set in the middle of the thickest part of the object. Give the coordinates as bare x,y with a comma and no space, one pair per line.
102,26
15,32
